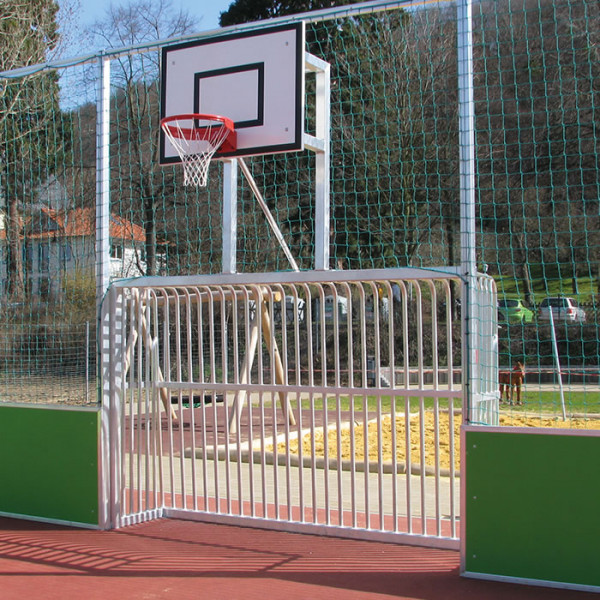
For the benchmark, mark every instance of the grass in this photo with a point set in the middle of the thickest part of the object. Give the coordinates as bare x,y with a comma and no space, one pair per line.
550,402
539,401
547,280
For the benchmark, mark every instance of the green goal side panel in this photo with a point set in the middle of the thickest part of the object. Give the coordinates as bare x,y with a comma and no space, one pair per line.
532,506
49,464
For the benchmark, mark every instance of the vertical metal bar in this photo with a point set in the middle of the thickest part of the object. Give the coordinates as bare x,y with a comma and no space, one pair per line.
285,324
452,478
377,385
251,322
347,291
466,108
322,176
156,429
300,469
365,409
313,459
137,412
301,328
231,296
201,363
408,458
180,416
436,403
311,320
225,378
322,352
147,414
404,328
166,326
111,484
157,376
87,361
393,398
213,370
230,177
380,461
325,407
113,347
103,180
466,117
243,376
257,295
421,378
451,426
557,363
154,422
282,384
267,318
127,408
190,378
261,407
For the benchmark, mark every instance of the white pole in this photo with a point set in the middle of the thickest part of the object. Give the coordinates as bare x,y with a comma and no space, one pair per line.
558,369
103,181
87,361
229,216
322,158
109,480
466,128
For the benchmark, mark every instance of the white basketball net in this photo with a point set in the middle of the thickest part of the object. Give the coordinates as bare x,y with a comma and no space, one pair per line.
195,148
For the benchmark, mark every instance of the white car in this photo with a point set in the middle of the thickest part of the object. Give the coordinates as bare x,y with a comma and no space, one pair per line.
563,309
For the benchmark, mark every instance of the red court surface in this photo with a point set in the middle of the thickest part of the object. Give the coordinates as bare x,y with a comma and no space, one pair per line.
170,558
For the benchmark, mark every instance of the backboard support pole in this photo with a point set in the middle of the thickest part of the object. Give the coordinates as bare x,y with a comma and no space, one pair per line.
323,176
320,145
230,177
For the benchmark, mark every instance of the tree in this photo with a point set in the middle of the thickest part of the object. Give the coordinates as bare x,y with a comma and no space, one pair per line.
28,31
245,11
393,120
538,169
396,124
136,105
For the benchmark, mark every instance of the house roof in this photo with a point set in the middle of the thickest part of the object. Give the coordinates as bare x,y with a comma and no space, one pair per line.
78,222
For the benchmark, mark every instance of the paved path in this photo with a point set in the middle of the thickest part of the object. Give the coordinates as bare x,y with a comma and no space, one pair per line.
334,488
170,559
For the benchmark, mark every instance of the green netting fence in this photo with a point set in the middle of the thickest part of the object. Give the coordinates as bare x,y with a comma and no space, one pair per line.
395,187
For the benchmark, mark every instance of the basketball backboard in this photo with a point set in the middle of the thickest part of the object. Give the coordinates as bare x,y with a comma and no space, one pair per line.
255,78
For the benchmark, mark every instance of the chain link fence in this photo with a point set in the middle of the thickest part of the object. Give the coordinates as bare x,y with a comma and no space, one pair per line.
394,187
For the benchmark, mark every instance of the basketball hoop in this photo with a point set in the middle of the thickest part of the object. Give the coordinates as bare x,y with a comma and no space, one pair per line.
196,138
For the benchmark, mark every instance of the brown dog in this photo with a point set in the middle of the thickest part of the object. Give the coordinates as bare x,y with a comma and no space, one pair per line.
511,380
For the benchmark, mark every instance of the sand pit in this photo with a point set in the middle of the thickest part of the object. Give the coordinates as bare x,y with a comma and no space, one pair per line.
385,438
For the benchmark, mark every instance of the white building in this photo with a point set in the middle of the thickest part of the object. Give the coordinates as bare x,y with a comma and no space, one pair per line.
59,244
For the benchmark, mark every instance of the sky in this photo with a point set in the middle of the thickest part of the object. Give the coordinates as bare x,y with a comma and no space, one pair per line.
207,11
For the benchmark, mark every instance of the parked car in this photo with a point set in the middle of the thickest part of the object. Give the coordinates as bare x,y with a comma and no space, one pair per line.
514,311
563,309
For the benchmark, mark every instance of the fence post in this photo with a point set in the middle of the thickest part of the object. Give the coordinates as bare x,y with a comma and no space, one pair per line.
466,127
557,363
102,180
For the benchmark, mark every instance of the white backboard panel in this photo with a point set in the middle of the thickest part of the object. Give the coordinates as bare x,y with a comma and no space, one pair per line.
256,78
